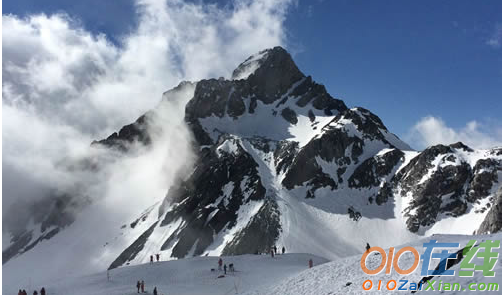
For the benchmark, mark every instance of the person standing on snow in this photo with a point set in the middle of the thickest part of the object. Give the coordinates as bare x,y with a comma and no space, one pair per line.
367,247
220,263
151,259
311,263
20,292
283,250
272,253
225,268
275,250
158,257
42,291
138,285
155,291
142,286
35,292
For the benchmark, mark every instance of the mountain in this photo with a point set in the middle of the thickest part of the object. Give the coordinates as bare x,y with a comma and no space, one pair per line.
279,161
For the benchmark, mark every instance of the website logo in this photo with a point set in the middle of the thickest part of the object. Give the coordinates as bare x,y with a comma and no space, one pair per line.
468,266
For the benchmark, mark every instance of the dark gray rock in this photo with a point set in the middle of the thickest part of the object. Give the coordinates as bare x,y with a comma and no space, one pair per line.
384,194
135,132
284,154
260,234
353,214
448,189
289,115
199,193
493,220
485,176
132,251
372,170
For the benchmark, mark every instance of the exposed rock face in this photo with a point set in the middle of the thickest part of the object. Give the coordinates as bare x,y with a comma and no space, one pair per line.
440,180
261,233
484,176
133,250
51,214
342,142
493,220
373,170
135,132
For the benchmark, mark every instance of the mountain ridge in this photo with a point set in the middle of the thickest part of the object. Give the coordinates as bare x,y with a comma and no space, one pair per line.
280,161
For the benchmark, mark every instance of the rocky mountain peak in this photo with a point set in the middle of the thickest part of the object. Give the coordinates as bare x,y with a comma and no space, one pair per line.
267,62
279,159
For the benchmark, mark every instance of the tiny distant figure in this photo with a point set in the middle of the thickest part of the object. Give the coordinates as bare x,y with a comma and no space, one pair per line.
151,259
225,268
35,292
367,247
155,291
275,250
42,291
283,250
272,253
24,292
231,267
138,285
20,292
311,263
220,263
158,257
142,286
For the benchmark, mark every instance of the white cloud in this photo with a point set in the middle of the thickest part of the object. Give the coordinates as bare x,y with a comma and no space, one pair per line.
495,40
431,131
64,86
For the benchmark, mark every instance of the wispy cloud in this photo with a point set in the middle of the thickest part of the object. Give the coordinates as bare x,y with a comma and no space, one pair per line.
495,40
433,130
64,86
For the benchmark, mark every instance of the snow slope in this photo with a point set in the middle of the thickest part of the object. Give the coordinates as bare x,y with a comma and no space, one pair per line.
344,276
185,276
263,275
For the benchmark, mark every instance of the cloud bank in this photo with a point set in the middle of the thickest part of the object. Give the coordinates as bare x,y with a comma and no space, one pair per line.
432,130
63,87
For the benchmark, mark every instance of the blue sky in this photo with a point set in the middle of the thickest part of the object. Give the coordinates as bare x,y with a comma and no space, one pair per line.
403,60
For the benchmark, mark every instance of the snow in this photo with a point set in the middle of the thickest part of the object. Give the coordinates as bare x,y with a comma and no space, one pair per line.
244,215
267,122
250,65
345,276
226,194
263,275
189,276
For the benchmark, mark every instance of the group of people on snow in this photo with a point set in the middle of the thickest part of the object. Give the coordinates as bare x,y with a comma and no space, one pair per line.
23,292
140,285
230,266
157,256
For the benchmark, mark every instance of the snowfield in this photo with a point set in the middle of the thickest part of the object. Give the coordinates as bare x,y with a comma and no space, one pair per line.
344,276
263,275
185,276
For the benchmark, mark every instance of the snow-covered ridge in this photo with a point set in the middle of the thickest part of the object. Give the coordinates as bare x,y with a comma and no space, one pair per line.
281,162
